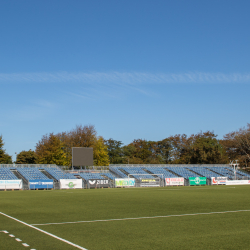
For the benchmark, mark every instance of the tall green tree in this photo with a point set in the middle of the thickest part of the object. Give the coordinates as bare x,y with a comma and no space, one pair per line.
143,152
101,157
147,152
80,136
237,145
137,152
179,145
129,155
206,149
201,148
115,151
50,150
26,157
4,157
160,151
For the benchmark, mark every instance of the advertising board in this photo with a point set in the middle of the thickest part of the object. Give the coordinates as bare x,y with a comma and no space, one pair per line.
126,182
41,184
218,180
11,184
238,182
70,183
150,182
174,181
196,181
102,183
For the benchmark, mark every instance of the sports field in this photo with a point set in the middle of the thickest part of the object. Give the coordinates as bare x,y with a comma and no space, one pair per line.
206,217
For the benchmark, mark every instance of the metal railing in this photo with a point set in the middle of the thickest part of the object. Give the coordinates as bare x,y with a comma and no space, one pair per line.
28,165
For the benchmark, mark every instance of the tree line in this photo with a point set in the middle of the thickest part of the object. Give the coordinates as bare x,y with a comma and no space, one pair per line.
200,148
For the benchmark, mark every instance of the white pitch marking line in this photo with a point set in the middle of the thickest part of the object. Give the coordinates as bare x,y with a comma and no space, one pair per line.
38,229
193,188
11,235
177,189
140,218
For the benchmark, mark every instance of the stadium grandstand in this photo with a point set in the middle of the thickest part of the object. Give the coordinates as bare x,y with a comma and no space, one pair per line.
178,170
43,174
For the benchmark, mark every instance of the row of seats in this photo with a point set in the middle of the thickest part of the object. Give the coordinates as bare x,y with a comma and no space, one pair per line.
6,174
109,175
205,172
58,174
32,173
137,172
123,171
89,176
118,172
228,172
160,172
182,170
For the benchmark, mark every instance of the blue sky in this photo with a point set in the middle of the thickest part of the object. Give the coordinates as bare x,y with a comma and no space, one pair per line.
133,69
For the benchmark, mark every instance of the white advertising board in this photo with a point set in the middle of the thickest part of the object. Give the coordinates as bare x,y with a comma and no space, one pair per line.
174,181
238,182
11,184
70,183
218,180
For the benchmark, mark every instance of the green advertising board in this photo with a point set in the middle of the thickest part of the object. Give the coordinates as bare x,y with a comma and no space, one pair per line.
196,181
126,182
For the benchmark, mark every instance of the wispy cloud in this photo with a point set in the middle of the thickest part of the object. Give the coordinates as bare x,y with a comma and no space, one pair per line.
125,78
32,111
44,103
82,95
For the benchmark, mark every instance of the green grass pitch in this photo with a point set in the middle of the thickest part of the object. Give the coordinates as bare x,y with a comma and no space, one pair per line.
198,228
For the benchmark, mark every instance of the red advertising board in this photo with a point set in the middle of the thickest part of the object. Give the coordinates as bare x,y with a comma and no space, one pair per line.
218,180
174,181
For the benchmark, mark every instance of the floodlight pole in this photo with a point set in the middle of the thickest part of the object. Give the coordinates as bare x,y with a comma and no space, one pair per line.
235,165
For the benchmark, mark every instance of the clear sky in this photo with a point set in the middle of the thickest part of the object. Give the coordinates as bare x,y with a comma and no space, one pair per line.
134,69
